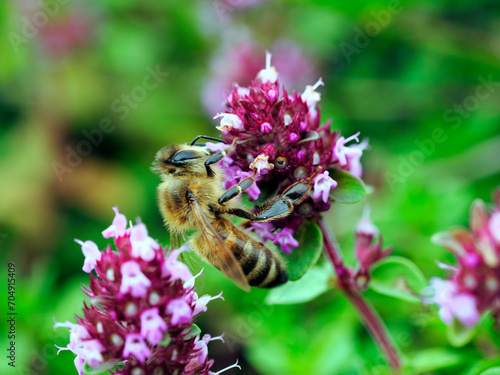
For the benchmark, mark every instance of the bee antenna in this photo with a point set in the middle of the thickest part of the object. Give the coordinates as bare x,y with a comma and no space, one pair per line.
206,137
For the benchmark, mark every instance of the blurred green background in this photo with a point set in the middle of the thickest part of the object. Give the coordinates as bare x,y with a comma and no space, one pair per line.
415,77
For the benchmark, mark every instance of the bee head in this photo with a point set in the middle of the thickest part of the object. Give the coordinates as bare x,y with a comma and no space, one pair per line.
180,159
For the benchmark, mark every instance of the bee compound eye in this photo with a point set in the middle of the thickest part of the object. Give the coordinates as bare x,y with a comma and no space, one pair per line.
182,156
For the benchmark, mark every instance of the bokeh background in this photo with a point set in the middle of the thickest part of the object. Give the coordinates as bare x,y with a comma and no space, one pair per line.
415,77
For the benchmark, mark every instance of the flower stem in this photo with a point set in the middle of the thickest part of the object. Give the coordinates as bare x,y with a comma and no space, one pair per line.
371,319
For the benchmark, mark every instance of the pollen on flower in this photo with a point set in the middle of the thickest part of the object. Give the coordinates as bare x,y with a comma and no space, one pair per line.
261,164
144,297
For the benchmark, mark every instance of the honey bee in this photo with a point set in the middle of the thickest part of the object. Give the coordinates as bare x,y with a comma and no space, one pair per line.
191,197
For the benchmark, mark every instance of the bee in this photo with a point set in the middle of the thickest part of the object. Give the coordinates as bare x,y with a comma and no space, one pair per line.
191,197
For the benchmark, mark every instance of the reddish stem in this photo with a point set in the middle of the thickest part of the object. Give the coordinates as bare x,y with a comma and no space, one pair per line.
371,319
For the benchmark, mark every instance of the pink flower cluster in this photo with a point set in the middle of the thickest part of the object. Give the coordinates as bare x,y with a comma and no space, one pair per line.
143,307
279,138
474,286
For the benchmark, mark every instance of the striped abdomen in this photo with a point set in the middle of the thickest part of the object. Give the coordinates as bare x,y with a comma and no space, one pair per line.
262,268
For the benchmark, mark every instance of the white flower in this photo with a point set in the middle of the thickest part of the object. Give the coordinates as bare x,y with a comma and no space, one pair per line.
143,246
494,226
261,164
133,280
228,122
91,253
454,304
323,183
343,153
269,74
310,96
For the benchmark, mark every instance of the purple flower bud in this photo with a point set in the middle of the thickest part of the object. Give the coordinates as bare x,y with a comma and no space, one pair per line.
367,252
266,128
272,95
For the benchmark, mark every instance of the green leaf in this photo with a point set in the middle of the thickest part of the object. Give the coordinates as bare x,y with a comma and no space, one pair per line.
483,366
192,332
399,278
307,254
459,335
433,359
314,283
491,371
103,368
166,339
350,189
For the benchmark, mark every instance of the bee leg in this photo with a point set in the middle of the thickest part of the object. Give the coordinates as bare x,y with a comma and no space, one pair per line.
296,192
212,160
236,190
279,207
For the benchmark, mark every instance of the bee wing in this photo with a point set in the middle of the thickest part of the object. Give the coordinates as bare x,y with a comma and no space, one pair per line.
222,254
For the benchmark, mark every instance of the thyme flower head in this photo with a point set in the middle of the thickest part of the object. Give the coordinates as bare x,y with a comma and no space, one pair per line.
278,137
143,307
474,285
